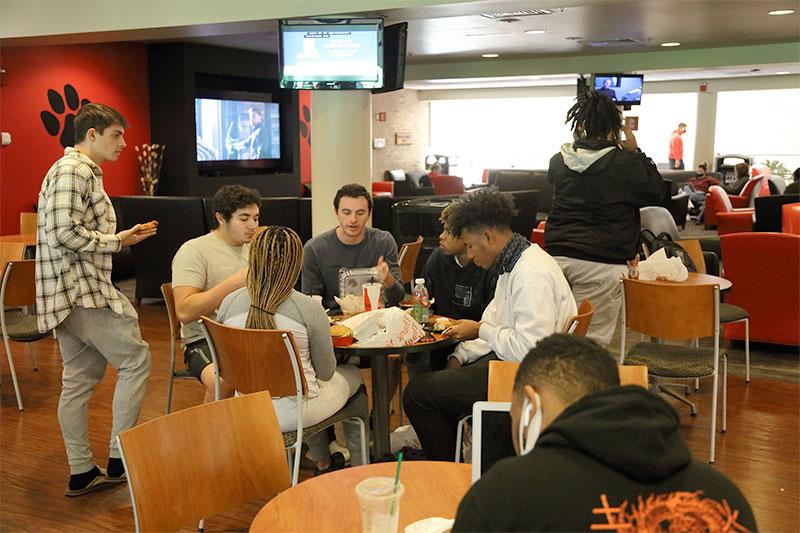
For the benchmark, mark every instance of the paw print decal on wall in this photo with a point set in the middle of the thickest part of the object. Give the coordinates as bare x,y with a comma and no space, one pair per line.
305,124
65,126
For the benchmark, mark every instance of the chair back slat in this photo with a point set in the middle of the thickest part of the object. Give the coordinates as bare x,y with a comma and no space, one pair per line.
693,249
578,325
237,455
670,310
19,283
408,259
169,301
503,373
10,251
253,360
27,223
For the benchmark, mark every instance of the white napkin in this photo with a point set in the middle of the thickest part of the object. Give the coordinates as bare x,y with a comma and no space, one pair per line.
433,524
659,266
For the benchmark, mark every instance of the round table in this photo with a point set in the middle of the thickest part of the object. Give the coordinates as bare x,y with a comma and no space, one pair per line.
329,503
380,382
698,279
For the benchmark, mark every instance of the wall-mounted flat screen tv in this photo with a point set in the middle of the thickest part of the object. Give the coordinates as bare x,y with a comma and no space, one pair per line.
621,88
331,54
237,129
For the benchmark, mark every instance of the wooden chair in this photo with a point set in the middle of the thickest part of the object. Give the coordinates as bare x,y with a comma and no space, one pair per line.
18,290
578,325
253,360
27,223
10,251
174,342
503,373
676,312
409,253
236,457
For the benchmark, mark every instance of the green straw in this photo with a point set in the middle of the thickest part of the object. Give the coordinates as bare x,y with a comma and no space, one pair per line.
396,480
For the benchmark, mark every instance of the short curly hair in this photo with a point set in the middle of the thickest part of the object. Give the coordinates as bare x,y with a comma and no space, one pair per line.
486,208
229,198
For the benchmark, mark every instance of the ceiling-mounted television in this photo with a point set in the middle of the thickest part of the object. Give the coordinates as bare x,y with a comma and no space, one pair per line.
623,89
331,54
394,57
237,129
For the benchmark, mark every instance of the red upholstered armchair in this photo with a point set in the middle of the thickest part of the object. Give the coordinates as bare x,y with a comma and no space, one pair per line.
791,219
757,186
382,188
718,201
765,271
446,185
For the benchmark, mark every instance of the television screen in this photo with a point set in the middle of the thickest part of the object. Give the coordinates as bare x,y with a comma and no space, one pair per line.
331,55
237,130
621,88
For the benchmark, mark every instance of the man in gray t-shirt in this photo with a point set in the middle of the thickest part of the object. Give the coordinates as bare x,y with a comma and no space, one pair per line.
351,244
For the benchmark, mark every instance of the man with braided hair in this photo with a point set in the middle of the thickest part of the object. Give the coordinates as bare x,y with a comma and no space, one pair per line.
600,181
208,268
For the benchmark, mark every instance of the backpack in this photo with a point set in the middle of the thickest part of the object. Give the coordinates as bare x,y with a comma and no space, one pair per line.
671,248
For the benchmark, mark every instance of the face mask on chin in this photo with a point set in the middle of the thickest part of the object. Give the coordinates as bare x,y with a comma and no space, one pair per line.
527,440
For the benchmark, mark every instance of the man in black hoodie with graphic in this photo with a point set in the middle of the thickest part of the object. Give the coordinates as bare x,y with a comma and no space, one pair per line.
608,457
600,181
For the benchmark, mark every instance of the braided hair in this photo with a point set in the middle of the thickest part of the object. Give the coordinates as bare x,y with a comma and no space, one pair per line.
595,116
276,256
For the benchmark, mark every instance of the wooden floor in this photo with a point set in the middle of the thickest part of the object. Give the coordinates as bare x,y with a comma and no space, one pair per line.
760,452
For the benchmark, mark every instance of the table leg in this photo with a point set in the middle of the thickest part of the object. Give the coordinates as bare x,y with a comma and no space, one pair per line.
380,406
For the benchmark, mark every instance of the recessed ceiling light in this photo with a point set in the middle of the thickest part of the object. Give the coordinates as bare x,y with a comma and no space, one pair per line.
781,73
670,44
490,55
535,32
781,12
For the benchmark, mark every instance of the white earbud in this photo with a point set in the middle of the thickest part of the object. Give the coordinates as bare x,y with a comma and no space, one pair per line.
527,440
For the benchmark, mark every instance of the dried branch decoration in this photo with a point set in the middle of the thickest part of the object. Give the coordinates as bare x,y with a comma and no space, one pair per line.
150,157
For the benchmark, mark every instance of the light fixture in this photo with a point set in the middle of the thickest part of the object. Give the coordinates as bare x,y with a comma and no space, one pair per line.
490,55
535,32
781,73
670,44
781,12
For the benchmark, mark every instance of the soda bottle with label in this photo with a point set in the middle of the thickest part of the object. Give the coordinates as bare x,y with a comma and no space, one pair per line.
420,300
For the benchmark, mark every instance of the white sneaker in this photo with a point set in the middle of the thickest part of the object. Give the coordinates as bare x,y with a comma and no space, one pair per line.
336,447
403,436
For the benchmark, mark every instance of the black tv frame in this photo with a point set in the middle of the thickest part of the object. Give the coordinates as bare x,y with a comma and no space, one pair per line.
395,39
625,103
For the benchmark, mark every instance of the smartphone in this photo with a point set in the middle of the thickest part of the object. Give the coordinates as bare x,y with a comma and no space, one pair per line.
632,123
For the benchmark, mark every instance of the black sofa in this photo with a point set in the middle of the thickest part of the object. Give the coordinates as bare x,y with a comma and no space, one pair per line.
185,217
769,211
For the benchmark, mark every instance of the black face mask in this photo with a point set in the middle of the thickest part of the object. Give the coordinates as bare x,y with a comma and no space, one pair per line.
700,174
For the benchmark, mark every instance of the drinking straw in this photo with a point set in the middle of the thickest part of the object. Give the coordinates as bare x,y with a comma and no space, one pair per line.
396,480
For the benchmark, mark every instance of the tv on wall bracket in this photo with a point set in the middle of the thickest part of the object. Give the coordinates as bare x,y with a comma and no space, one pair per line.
622,89
333,54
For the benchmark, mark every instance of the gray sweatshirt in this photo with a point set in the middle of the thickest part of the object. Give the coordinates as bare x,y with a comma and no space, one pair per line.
325,255
302,309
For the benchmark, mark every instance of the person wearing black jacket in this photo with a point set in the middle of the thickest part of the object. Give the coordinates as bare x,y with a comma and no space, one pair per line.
608,458
600,181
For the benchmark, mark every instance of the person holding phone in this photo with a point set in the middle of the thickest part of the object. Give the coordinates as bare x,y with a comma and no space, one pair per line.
600,181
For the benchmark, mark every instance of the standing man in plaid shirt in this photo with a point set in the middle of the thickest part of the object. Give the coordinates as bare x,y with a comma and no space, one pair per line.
95,323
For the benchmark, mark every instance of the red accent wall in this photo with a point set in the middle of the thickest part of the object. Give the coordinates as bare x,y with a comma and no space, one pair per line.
111,74
304,110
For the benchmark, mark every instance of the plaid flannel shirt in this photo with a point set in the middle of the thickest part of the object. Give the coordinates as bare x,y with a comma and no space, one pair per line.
76,237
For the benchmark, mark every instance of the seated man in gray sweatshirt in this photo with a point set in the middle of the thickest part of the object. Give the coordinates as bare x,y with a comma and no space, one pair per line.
351,244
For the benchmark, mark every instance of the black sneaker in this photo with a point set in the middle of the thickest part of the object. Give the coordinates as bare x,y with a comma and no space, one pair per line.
85,483
337,463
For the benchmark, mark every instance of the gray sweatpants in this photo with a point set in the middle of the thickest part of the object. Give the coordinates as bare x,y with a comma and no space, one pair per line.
89,339
599,282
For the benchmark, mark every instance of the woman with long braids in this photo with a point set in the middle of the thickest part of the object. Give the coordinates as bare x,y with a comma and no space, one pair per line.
269,301
600,181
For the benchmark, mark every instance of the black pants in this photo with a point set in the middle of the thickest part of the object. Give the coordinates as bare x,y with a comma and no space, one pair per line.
676,164
436,401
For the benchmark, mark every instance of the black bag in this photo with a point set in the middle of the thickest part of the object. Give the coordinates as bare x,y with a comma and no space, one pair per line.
671,248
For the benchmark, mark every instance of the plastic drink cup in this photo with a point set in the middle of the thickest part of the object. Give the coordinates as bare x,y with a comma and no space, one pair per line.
372,296
380,504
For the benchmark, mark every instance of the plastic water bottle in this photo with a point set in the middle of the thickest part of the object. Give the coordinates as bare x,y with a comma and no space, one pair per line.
421,301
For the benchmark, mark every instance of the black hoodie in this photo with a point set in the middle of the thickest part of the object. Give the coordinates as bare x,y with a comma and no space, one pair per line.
598,190
611,450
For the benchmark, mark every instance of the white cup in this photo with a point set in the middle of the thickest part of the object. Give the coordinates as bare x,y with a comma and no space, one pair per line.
380,504
372,296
